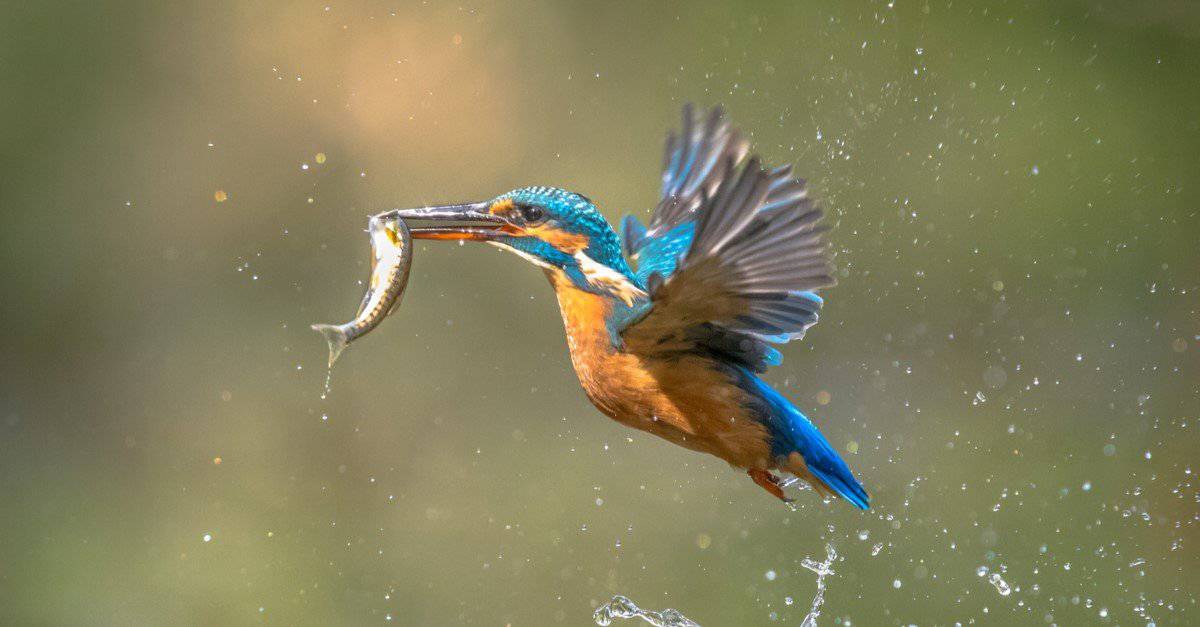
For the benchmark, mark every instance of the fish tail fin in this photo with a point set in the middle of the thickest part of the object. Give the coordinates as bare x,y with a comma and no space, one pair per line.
336,337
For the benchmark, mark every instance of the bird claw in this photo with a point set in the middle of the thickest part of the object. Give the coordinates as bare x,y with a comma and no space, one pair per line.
770,483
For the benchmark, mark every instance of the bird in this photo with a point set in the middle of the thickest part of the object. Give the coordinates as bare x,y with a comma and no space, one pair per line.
670,324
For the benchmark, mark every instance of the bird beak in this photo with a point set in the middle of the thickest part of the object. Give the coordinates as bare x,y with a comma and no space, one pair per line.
480,225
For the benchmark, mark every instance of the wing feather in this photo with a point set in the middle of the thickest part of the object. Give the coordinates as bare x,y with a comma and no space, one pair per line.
733,252
694,164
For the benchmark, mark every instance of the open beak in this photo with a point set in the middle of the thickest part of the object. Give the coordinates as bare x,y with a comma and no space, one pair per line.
469,222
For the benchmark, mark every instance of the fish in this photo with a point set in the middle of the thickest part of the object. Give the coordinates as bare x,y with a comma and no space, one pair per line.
391,259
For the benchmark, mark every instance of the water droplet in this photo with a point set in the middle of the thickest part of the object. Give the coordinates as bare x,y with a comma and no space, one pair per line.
1001,586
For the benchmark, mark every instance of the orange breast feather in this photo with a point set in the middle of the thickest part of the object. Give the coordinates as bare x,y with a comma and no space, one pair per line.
685,399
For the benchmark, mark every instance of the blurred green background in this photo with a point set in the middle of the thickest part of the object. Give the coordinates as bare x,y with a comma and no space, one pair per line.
1011,361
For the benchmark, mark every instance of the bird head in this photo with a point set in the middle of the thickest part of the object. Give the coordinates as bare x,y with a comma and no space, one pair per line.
553,228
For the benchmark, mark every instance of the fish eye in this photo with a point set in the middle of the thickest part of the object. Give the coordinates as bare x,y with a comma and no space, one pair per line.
531,213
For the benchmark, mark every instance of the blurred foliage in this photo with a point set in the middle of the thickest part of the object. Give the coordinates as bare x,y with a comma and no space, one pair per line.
1010,359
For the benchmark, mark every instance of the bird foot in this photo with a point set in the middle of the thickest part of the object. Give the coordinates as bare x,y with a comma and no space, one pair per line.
769,482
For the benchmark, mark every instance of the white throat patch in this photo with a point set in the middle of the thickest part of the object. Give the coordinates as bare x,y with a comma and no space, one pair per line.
604,277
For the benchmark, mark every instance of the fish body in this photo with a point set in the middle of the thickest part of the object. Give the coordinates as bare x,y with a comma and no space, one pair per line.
391,258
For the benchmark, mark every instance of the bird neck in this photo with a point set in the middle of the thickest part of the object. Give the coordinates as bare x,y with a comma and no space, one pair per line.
587,319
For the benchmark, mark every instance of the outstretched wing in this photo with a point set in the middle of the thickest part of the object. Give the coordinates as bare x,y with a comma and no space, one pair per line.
695,162
732,254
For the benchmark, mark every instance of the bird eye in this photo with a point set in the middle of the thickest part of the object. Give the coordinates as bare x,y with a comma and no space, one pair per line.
531,213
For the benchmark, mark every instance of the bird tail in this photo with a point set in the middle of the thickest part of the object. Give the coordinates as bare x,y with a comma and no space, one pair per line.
336,337
809,455
820,465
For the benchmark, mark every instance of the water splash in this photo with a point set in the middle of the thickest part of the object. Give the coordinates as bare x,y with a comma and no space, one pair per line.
822,569
328,381
622,607
787,482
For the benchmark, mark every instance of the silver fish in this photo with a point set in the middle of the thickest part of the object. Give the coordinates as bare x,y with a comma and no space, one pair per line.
391,257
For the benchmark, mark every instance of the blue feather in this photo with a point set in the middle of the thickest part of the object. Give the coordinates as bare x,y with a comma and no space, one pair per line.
633,233
660,254
792,431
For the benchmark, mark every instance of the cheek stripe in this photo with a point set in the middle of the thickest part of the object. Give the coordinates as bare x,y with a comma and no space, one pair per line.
569,243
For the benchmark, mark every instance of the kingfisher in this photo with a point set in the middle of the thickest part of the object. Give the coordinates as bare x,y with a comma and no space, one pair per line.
670,324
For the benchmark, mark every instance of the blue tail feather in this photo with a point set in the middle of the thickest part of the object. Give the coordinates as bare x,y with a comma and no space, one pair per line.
792,431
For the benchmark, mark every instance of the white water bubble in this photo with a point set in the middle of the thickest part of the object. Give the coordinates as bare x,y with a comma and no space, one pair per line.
1000,584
